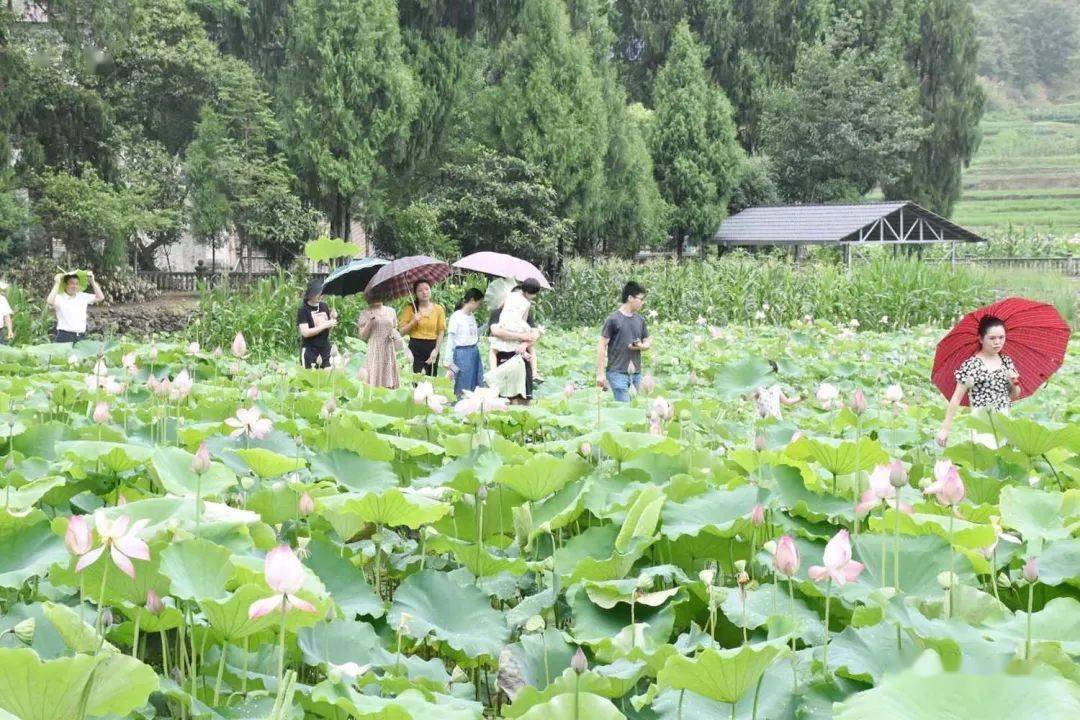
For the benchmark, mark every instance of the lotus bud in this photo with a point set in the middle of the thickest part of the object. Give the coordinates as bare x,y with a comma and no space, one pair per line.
1031,570
234,368
481,492
201,462
306,505
535,624
154,605
579,662
247,482
101,413
759,442
458,675
24,630
107,617
253,393
648,384
9,463
193,348
894,393
898,476
586,448
362,374
568,390
946,579
757,515
1003,580
239,345
858,402
786,559
73,360
769,547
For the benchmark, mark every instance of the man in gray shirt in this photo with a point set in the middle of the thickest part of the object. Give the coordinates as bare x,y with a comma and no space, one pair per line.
623,337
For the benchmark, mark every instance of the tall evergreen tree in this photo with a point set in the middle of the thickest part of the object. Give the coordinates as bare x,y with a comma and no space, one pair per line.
695,154
943,57
546,106
346,98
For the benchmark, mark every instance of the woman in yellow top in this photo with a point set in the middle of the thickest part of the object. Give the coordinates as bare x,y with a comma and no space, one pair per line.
425,324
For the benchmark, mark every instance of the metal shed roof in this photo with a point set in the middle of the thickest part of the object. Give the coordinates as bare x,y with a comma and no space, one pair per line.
897,222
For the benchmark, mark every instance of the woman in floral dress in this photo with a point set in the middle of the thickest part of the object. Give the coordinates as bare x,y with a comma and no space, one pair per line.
988,377
378,327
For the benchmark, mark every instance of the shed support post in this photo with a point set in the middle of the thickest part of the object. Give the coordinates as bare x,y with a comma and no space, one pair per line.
952,254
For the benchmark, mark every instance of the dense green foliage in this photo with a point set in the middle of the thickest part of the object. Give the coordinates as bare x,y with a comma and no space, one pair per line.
632,124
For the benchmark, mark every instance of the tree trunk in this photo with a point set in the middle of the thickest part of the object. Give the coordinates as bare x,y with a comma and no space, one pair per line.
680,241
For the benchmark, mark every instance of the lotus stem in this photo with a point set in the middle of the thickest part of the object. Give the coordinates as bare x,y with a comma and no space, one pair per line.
858,476
135,640
757,692
1057,478
828,599
1027,642
244,670
678,713
220,674
198,502
281,647
952,564
896,544
993,574
884,548
101,601
791,611
164,653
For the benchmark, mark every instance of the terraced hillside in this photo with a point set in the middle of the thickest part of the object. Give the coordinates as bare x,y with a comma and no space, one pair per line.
1026,173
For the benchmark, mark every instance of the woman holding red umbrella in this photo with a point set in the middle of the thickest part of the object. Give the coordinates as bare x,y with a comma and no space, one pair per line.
988,377
971,369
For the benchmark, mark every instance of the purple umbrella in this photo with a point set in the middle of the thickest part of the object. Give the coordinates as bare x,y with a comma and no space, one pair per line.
396,278
502,265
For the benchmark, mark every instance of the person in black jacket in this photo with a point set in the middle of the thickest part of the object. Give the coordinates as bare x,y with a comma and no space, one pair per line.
314,320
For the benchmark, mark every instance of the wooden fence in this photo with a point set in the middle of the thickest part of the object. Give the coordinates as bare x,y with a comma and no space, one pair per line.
1065,265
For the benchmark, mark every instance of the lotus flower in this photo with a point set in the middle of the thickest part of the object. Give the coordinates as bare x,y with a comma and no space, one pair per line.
662,409
839,567
648,384
757,515
884,320
898,476
759,442
579,662
786,559
78,538
586,448
249,421
218,352
654,426
568,390
153,352
285,576
328,409
201,462
827,395
480,400
73,360
707,576
853,322
181,386
894,393
239,345
947,485
253,393
121,540
306,505
881,491
362,374
193,348
858,402
1031,570
154,605
436,404
101,413
422,392
716,333
759,315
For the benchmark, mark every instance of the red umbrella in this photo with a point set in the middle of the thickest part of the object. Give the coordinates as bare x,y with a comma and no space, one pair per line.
1036,337
396,278
502,265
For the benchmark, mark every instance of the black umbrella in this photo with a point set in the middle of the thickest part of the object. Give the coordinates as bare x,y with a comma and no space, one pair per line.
352,278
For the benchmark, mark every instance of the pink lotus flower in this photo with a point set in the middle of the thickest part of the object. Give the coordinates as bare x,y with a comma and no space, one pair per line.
78,538
306,505
480,400
285,576
101,413
122,541
1031,570
239,345
786,559
759,442
253,393
436,403
568,390
654,426
947,485
894,394
328,409
154,605
422,392
839,566
898,476
648,384
662,409
201,462
249,421
757,515
234,368
153,353
128,361
881,491
827,395
218,353
858,402
181,386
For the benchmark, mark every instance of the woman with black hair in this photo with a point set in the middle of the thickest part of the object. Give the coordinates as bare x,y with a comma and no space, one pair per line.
424,322
989,377
462,353
314,321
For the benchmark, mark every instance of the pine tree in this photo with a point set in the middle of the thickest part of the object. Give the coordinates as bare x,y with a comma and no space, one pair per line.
695,154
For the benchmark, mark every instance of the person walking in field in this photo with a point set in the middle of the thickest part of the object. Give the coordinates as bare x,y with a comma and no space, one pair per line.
378,326
622,338
314,320
71,306
462,351
6,316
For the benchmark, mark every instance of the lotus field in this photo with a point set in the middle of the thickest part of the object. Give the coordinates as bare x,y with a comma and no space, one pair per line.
189,534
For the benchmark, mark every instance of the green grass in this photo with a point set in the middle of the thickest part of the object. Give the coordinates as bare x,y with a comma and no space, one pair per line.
1026,174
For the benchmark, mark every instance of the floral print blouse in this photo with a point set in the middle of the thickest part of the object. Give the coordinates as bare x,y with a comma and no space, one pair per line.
987,388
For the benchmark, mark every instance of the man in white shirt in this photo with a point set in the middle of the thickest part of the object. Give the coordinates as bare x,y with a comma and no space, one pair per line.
71,306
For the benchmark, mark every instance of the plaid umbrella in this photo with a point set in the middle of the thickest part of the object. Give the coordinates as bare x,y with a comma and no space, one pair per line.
1036,337
396,278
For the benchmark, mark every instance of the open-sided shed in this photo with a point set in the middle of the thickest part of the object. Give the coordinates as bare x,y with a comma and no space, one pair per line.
899,222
